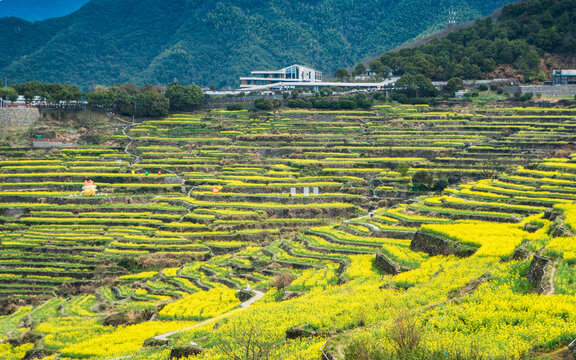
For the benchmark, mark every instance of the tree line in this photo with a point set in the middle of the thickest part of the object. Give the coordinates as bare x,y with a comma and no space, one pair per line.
147,101
124,99
49,93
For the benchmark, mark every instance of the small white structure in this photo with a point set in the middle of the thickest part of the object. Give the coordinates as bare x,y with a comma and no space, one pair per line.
460,94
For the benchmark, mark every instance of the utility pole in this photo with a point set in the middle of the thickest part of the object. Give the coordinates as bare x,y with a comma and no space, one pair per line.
451,17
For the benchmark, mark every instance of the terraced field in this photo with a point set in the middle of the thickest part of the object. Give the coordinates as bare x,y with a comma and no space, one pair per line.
311,208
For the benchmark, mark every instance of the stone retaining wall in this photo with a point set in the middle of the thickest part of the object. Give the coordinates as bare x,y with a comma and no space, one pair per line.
51,144
18,116
558,90
435,245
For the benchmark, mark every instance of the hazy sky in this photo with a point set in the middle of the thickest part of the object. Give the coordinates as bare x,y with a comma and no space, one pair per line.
38,9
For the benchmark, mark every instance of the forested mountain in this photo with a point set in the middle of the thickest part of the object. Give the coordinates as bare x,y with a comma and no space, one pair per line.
214,42
526,42
33,10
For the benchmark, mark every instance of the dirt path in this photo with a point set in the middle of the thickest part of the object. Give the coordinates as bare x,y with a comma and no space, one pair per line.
132,139
550,288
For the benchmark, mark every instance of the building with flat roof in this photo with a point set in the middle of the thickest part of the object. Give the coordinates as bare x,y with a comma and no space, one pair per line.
564,77
563,84
290,74
297,77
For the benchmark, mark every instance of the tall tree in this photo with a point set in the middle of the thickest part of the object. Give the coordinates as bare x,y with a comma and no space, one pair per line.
416,85
360,69
184,98
151,104
341,74
453,85
9,93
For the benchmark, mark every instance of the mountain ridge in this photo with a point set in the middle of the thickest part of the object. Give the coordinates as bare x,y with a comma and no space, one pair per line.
195,41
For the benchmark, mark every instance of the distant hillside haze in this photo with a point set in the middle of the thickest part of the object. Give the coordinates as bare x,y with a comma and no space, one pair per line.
33,10
215,42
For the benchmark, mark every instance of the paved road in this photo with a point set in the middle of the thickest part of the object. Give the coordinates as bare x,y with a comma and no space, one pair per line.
259,295
164,337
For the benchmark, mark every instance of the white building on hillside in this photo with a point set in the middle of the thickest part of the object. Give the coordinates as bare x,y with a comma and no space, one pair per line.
297,77
288,75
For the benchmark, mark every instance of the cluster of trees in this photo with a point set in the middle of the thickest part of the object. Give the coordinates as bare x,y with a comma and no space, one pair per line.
359,101
8,93
56,94
128,99
343,74
184,98
320,101
519,38
147,101
416,85
425,181
267,104
125,99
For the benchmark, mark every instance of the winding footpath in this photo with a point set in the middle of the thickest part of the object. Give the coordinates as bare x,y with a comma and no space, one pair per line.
137,157
165,337
550,290
259,295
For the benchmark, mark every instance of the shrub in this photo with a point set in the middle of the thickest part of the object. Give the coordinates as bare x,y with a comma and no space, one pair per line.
129,264
422,180
403,168
267,104
441,184
281,281
363,349
246,341
401,98
161,261
93,139
406,336
525,97
234,107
